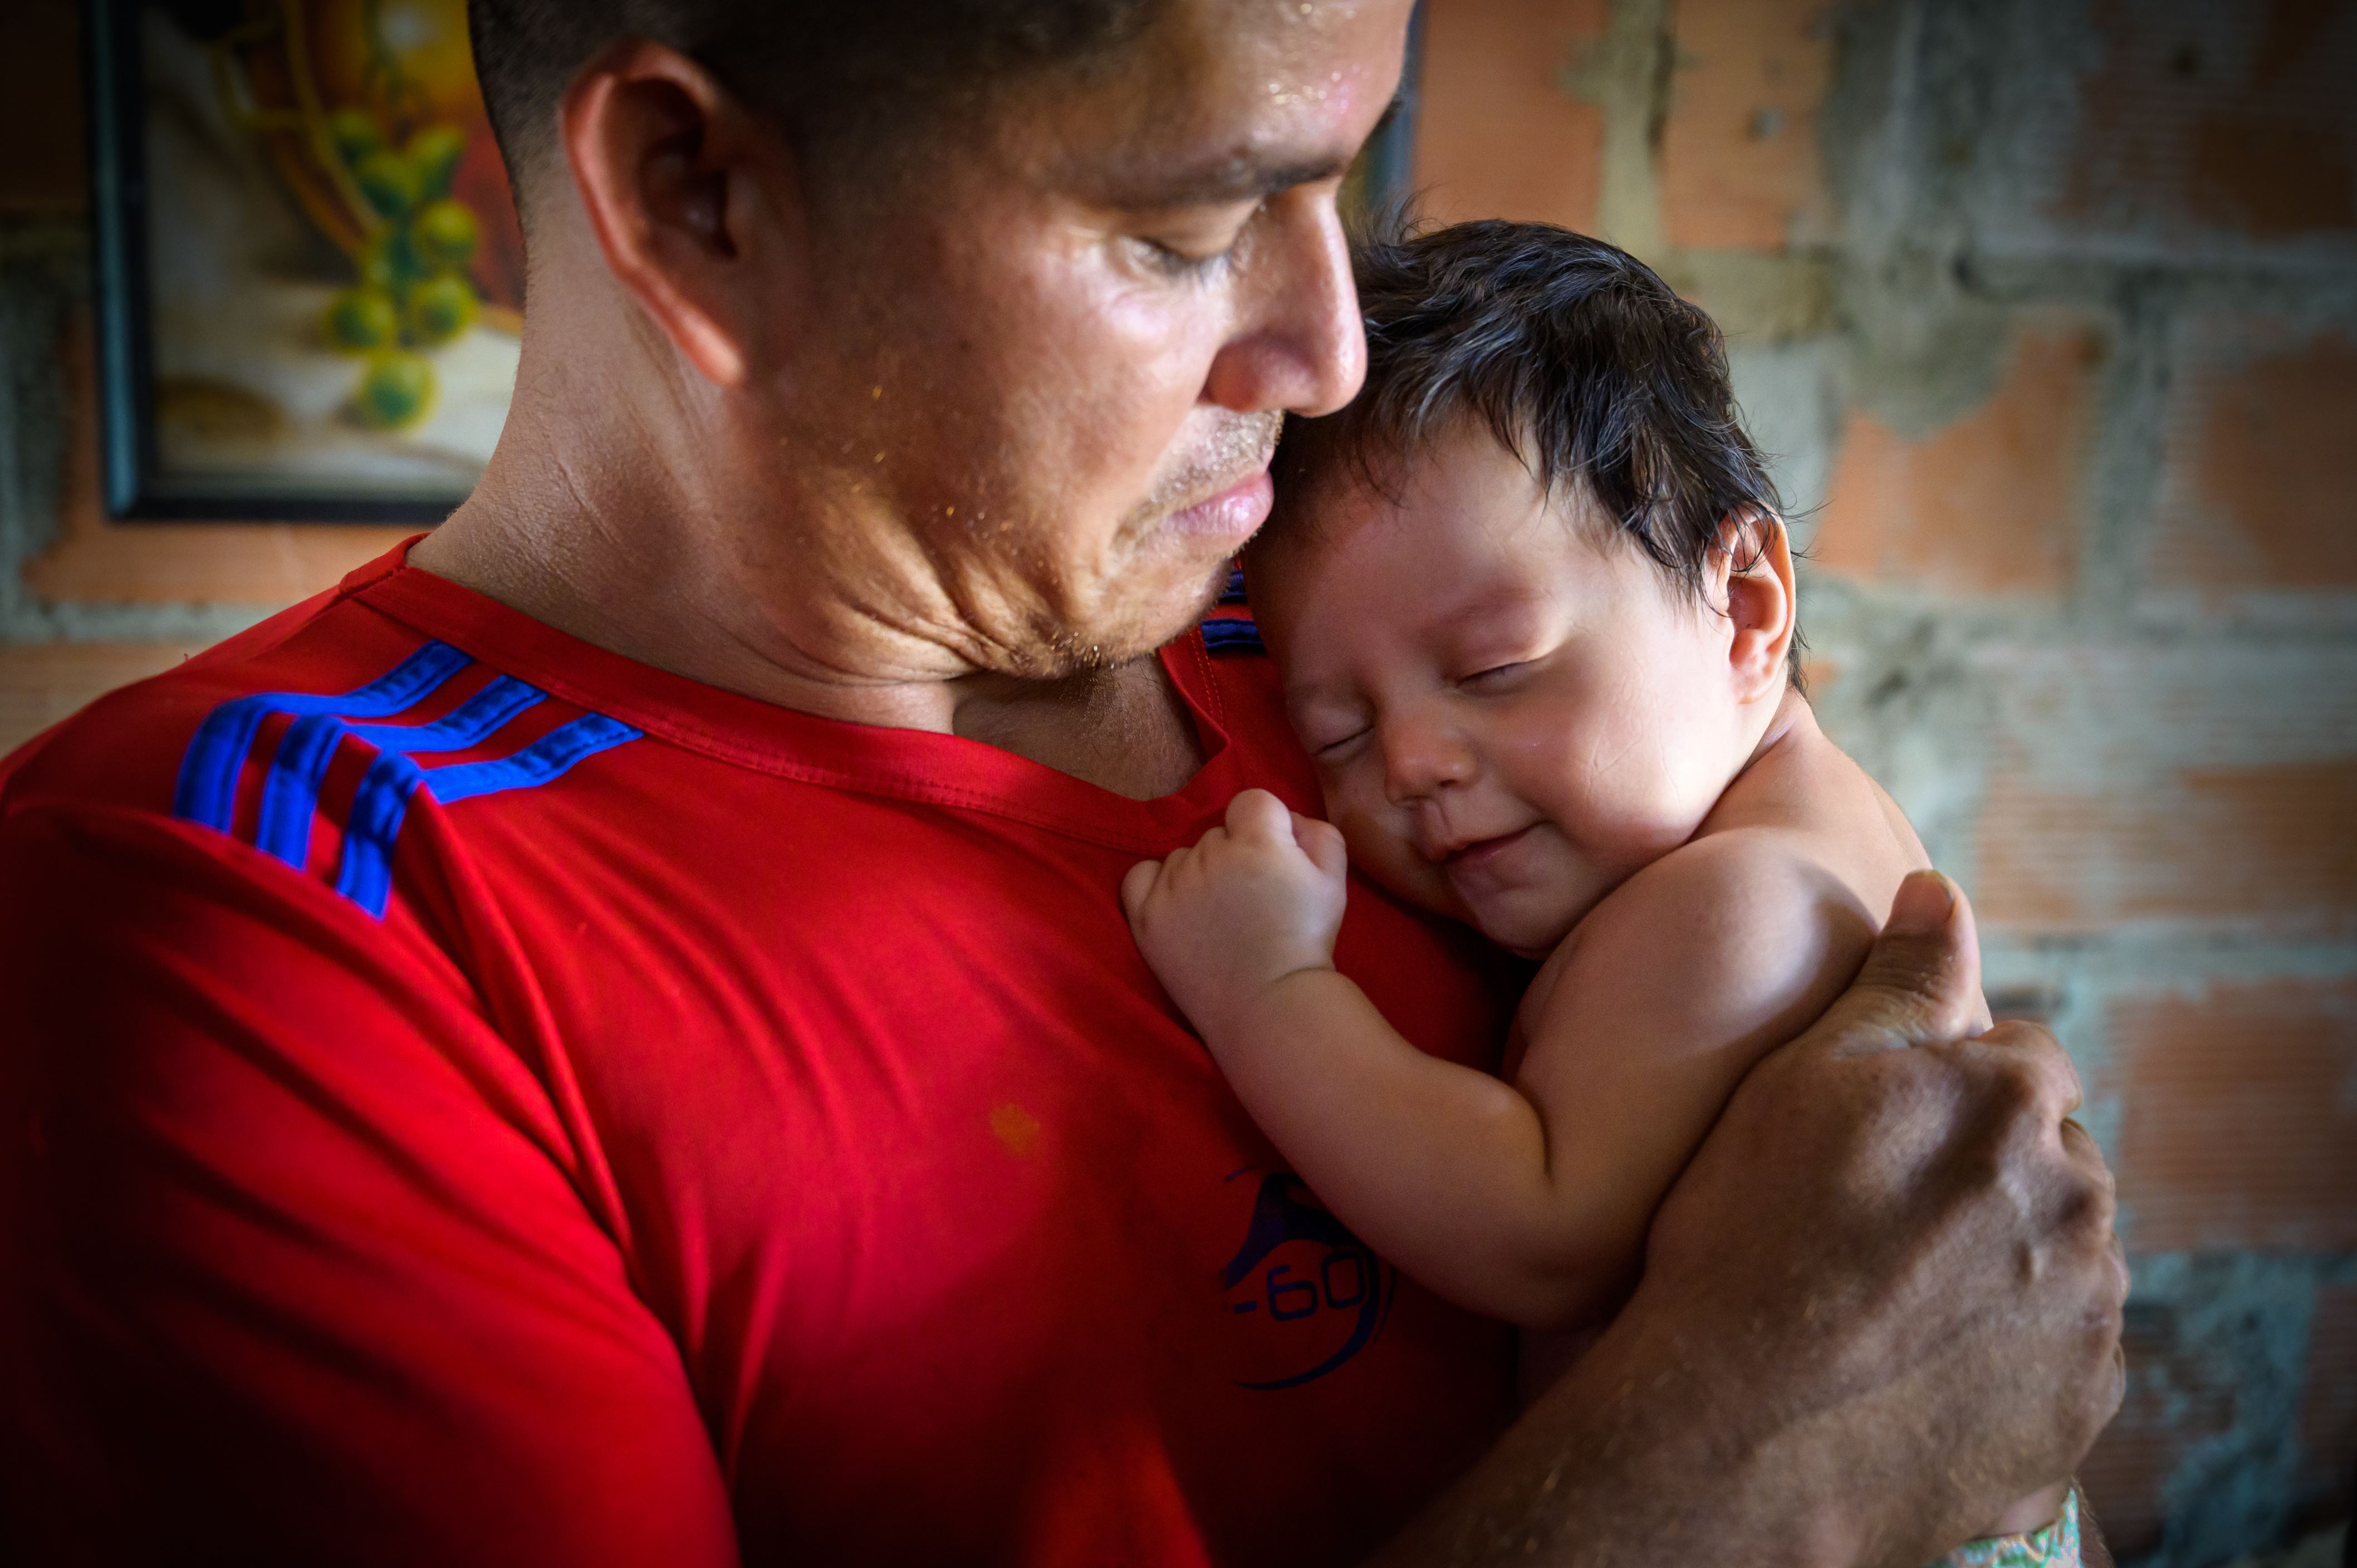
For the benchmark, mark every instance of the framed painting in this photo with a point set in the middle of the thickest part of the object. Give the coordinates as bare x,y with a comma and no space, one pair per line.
309,269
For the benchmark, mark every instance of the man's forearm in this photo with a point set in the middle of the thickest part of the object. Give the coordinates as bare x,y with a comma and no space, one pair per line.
1631,1458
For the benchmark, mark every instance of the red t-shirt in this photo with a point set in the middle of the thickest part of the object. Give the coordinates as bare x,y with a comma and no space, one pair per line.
469,1096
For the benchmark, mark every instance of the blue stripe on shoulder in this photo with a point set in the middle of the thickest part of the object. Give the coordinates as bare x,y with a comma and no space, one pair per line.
290,794
207,789
1233,593
381,804
1231,634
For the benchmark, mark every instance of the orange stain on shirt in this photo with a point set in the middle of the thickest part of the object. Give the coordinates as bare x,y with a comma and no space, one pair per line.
1014,1127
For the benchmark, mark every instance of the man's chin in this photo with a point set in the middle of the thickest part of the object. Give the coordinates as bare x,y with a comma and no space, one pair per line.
1127,628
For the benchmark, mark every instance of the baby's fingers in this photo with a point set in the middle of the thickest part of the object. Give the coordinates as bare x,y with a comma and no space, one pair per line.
1322,843
1257,814
1136,885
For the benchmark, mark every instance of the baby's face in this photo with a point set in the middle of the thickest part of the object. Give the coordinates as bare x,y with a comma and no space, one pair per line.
1510,710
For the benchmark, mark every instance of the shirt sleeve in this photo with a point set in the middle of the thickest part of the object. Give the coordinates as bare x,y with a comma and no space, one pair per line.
295,1259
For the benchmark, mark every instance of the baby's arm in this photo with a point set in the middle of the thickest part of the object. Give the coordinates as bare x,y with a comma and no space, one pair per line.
1526,1202
1439,1167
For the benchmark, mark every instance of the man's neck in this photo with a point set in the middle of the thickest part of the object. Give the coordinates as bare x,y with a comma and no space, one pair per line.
627,577
1125,729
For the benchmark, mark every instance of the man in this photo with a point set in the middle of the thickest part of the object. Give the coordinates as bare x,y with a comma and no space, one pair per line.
611,1039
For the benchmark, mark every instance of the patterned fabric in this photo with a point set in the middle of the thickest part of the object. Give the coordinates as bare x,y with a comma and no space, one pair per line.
2056,1546
306,750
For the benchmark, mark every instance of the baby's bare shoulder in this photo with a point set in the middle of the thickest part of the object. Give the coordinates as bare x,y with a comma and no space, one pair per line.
1808,794
1756,921
1744,882
1745,935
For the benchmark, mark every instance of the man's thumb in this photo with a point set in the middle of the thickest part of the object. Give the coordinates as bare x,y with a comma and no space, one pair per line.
1924,905
1922,980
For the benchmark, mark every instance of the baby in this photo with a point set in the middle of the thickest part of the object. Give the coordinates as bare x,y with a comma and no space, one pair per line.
1532,602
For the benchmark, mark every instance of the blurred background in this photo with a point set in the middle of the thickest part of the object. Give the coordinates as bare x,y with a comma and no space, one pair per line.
2048,311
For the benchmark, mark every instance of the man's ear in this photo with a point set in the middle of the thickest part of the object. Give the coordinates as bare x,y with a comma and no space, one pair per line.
1752,570
697,203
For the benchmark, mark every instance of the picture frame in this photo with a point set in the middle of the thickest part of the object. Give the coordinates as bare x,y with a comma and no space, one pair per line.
308,271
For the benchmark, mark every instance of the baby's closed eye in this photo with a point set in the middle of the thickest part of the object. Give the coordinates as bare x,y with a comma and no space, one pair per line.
1497,677
1325,730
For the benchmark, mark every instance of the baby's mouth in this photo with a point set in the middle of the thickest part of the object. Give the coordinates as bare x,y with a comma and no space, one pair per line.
1482,853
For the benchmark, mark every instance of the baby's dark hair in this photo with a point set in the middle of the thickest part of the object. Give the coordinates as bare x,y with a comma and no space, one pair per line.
1577,356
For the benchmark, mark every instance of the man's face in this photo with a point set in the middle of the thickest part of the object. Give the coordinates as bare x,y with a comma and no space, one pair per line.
1052,362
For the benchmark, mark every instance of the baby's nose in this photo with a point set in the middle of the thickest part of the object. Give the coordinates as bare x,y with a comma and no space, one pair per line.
1420,759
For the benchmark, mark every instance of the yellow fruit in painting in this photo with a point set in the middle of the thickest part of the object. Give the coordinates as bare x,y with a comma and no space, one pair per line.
435,153
360,319
396,392
356,134
440,309
426,40
391,262
443,236
389,181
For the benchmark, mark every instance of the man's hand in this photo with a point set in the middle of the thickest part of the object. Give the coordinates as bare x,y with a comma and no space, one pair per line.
1250,903
1882,1303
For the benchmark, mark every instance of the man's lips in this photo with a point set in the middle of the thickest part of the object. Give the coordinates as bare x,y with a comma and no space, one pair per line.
1233,514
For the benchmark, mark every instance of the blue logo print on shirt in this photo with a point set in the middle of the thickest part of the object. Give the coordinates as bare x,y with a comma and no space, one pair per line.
1323,1271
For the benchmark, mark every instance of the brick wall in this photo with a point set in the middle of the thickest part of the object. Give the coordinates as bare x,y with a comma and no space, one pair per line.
2048,310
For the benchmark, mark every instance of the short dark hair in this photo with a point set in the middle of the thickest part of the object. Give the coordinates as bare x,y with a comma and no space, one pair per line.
867,69
1574,355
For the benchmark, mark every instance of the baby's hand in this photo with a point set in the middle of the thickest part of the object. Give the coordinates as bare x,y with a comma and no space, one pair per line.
1254,902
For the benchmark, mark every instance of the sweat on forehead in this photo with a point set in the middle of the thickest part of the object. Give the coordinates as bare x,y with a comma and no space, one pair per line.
1574,355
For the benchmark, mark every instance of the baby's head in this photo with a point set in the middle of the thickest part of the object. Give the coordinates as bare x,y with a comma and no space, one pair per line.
1531,591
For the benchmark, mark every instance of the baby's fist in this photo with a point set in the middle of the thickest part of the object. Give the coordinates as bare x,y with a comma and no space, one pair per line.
1252,903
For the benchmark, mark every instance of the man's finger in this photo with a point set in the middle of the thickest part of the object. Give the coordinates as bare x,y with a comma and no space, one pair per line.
2080,1144
2104,1200
2059,1091
1921,983
1135,884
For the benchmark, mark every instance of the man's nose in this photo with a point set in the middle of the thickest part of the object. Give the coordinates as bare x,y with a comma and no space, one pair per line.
1421,756
1299,345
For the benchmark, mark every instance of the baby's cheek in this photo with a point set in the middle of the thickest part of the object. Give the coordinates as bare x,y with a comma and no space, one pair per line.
1626,801
1382,851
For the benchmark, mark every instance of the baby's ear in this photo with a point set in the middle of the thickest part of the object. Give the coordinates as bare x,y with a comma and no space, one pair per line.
1752,572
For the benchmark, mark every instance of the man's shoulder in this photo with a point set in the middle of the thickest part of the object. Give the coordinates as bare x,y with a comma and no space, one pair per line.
242,747
124,750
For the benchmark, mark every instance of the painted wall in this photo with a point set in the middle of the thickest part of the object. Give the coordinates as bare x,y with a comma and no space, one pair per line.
2049,309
